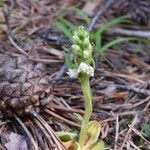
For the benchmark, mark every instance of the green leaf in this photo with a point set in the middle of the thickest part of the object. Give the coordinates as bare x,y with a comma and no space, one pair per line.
66,136
146,130
106,26
77,146
92,134
98,146
67,23
66,26
64,29
82,14
122,19
115,42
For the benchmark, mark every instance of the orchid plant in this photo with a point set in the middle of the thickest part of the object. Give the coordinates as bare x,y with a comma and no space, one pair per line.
82,68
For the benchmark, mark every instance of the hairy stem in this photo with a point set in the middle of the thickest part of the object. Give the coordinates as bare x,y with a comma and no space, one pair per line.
85,85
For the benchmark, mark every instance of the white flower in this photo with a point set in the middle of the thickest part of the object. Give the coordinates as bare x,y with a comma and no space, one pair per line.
85,68
73,73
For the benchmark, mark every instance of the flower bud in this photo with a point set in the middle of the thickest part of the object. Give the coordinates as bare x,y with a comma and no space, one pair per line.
90,47
86,34
75,33
86,42
82,32
76,39
86,54
76,49
82,51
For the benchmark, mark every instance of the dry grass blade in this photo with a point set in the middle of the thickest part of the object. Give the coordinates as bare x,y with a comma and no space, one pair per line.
148,104
3,123
9,34
57,141
139,134
99,13
133,145
27,132
129,131
117,129
65,109
126,32
61,119
43,131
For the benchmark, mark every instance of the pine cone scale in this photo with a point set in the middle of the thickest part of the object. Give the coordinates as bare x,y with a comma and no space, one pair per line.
138,9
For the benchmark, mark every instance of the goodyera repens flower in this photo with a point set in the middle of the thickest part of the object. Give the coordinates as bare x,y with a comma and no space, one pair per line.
83,68
82,51
81,47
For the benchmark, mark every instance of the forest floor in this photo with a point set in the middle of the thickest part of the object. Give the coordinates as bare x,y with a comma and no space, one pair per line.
120,87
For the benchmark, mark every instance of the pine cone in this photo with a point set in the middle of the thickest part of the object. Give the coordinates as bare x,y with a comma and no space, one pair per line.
139,10
22,83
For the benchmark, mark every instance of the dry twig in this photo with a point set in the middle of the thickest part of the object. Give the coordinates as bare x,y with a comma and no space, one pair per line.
129,131
127,32
61,119
139,134
27,132
57,141
117,129
101,11
134,89
9,34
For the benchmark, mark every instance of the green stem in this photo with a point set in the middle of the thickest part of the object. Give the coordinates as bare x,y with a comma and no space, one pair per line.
85,85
